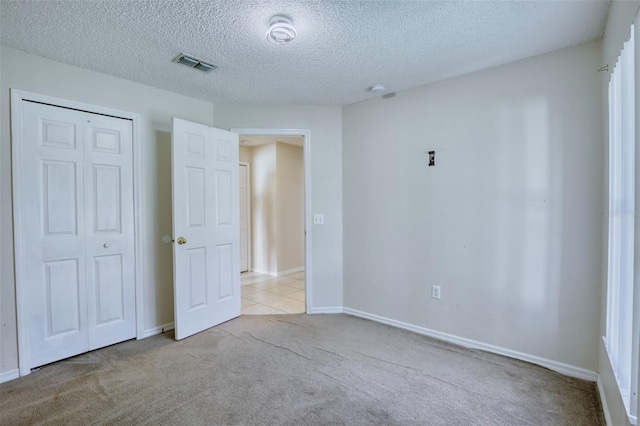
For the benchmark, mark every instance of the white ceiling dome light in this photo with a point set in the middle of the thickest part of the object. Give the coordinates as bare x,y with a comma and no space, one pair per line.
377,88
281,30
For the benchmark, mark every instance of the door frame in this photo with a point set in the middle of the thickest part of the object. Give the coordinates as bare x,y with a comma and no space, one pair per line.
249,245
308,220
17,97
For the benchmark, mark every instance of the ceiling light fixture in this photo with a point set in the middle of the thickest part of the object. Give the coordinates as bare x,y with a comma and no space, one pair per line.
377,88
281,30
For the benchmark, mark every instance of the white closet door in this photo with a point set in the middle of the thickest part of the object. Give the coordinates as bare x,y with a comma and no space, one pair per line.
76,229
206,252
109,230
53,232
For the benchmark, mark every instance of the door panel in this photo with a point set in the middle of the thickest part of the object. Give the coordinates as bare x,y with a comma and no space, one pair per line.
223,149
197,277
110,289
195,191
108,166
59,197
224,256
58,134
62,294
205,215
107,206
195,145
223,198
105,140
53,232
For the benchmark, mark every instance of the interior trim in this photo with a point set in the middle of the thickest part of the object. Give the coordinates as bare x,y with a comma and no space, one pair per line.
17,98
566,369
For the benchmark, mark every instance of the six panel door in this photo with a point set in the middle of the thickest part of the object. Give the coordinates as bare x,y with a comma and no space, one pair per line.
205,226
109,234
77,230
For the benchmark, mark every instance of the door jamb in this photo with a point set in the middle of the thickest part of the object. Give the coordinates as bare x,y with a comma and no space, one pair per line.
308,220
17,97
249,215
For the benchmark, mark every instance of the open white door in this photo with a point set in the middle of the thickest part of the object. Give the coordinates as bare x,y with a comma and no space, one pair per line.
206,253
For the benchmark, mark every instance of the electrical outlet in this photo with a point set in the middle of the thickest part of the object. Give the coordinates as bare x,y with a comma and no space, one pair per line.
318,219
435,291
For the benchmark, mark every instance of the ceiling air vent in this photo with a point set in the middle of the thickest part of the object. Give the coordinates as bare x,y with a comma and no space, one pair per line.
192,62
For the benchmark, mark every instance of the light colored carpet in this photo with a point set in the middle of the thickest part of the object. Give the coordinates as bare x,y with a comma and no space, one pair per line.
297,370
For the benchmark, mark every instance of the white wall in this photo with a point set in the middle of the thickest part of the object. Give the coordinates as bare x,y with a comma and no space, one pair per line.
245,154
509,220
325,124
277,207
504,222
156,108
621,15
264,250
289,206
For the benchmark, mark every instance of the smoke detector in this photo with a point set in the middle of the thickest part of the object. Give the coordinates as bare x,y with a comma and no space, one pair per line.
377,88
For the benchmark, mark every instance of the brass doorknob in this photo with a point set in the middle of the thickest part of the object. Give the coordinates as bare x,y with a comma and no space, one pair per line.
182,240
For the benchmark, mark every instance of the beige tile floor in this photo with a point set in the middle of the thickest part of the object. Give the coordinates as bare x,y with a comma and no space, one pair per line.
265,295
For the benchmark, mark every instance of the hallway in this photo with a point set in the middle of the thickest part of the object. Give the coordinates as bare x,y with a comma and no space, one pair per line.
266,295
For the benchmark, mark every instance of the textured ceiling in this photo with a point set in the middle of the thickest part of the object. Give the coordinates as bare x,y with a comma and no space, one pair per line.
342,48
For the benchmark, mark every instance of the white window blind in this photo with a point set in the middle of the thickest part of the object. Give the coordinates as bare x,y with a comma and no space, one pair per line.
619,338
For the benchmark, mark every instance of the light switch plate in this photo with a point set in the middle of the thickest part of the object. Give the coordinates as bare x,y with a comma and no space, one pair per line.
318,219
435,291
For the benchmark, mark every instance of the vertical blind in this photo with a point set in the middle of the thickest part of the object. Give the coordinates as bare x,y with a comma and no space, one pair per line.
619,337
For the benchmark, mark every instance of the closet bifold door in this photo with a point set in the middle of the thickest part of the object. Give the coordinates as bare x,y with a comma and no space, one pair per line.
77,230
53,232
108,201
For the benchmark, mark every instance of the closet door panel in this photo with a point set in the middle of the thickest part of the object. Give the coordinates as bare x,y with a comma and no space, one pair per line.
109,232
52,215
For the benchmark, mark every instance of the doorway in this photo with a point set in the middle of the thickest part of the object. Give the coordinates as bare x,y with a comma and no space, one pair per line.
276,281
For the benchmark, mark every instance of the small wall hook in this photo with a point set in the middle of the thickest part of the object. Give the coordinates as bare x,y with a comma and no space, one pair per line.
605,68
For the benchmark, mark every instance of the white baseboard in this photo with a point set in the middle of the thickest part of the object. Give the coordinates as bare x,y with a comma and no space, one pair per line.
327,310
560,367
157,330
264,272
278,274
290,271
9,375
603,402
